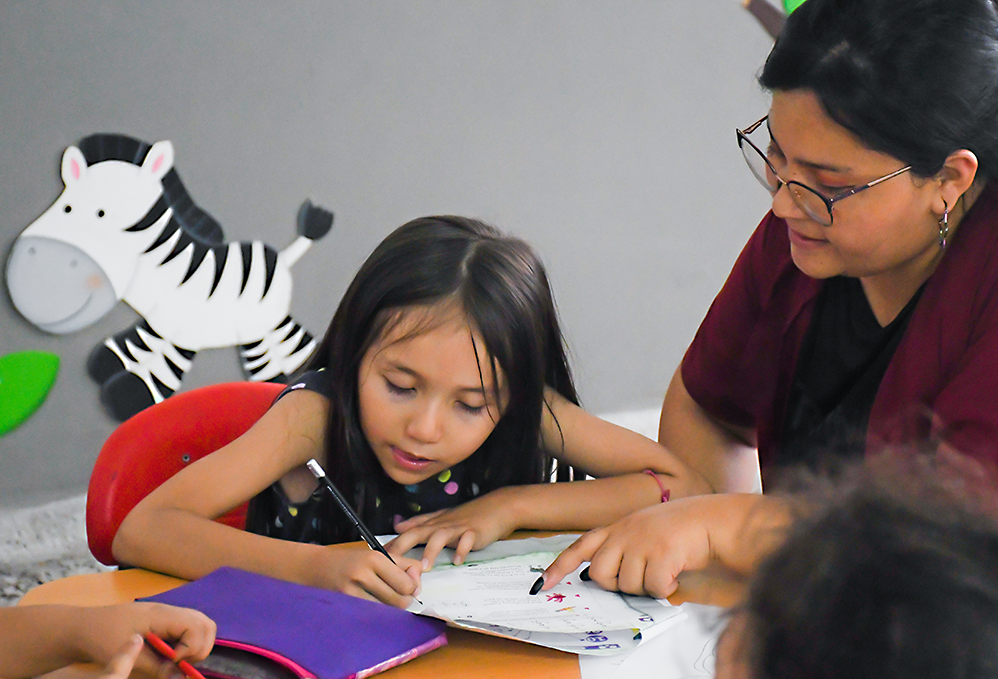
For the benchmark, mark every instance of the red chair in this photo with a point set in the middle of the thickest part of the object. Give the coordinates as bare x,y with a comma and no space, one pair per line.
156,443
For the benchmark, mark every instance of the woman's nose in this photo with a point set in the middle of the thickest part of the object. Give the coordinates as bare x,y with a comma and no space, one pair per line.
784,205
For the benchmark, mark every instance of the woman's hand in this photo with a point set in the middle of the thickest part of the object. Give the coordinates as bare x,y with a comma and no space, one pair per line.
645,552
363,572
473,525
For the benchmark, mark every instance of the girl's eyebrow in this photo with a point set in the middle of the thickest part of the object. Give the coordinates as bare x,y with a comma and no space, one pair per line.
806,163
409,371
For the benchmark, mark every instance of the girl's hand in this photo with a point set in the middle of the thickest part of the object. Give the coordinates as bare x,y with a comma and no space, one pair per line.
121,664
107,634
473,525
365,573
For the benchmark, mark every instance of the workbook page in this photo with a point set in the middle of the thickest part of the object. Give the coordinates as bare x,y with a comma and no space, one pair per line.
490,593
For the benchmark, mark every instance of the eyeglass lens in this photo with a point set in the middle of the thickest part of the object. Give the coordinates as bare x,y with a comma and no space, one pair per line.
805,198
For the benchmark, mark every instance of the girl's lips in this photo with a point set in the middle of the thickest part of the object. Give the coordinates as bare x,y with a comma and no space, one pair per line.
409,461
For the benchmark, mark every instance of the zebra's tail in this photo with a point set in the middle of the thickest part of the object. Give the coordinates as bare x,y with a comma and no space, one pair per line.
313,223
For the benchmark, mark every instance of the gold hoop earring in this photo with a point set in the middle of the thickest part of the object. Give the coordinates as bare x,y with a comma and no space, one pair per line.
944,226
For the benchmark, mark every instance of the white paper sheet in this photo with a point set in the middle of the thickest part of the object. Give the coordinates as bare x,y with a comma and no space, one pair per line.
490,593
685,650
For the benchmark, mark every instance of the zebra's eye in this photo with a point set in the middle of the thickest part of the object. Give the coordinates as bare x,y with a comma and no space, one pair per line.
67,209
100,213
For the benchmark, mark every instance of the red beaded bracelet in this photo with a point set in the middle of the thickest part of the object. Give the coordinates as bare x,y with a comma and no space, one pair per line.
665,491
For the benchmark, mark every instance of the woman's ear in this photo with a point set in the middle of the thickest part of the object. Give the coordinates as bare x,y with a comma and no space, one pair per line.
957,175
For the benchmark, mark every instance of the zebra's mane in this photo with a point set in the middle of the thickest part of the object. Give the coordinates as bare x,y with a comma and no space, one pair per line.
196,226
192,219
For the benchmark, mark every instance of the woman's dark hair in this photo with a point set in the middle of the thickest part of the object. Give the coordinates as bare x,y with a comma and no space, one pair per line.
916,79
500,284
895,576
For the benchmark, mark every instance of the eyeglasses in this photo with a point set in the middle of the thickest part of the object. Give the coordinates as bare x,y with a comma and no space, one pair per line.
814,204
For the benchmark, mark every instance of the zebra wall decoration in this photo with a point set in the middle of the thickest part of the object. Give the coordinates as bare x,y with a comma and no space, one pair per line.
125,228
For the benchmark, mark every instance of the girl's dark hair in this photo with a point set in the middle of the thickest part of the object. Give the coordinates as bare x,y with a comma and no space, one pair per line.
895,576
500,284
916,79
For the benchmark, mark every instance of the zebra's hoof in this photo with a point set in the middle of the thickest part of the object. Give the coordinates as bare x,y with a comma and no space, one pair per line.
103,364
125,394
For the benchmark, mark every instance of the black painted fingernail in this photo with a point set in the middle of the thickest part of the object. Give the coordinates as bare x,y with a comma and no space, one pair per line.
536,587
585,574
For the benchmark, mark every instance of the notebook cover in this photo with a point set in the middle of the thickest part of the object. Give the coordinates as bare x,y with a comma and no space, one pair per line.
328,634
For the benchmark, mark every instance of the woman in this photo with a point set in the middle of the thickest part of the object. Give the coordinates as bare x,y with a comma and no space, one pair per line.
863,312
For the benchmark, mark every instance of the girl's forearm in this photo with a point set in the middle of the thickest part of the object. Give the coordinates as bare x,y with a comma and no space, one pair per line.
37,639
603,449
180,543
581,505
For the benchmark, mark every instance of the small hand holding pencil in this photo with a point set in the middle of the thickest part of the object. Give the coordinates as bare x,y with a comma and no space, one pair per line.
369,537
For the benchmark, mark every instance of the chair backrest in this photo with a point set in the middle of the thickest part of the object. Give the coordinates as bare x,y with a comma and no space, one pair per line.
156,443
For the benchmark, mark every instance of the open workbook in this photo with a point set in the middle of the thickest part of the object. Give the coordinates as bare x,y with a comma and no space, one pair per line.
490,593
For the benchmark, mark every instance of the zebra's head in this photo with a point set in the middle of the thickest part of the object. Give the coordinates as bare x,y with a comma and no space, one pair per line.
70,266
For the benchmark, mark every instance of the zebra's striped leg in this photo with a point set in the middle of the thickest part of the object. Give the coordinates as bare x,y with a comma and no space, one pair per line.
137,368
278,355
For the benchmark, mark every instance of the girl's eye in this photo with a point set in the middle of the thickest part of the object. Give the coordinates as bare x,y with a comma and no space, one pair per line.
396,389
471,410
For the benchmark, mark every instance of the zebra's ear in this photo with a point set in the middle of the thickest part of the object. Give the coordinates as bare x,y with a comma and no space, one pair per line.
74,165
159,160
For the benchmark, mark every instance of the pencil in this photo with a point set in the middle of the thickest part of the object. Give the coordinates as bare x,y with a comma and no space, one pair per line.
368,536
167,652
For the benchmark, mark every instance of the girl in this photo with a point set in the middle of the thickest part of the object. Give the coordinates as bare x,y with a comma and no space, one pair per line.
442,381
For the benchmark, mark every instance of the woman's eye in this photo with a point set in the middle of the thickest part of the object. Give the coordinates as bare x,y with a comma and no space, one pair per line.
396,389
832,190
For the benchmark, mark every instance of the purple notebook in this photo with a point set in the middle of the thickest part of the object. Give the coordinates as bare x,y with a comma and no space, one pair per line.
313,633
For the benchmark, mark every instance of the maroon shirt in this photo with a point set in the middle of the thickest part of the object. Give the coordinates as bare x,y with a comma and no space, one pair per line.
941,385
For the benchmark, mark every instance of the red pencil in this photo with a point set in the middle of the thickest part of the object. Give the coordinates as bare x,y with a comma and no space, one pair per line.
167,652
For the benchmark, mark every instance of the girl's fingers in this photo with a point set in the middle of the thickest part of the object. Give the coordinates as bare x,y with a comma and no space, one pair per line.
418,520
438,540
464,545
122,663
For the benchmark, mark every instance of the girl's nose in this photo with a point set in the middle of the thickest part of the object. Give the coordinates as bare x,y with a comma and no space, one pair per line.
425,424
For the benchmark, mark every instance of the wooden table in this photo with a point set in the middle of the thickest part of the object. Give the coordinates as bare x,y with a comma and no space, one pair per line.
466,653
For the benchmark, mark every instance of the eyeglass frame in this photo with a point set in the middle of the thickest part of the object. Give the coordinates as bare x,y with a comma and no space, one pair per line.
829,202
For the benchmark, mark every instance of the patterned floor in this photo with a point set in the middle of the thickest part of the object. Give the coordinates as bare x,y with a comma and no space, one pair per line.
44,543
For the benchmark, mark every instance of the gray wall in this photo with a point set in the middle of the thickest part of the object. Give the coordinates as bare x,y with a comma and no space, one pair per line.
602,132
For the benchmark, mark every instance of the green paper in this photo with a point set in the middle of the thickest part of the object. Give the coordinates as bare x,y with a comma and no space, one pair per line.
791,5
25,380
